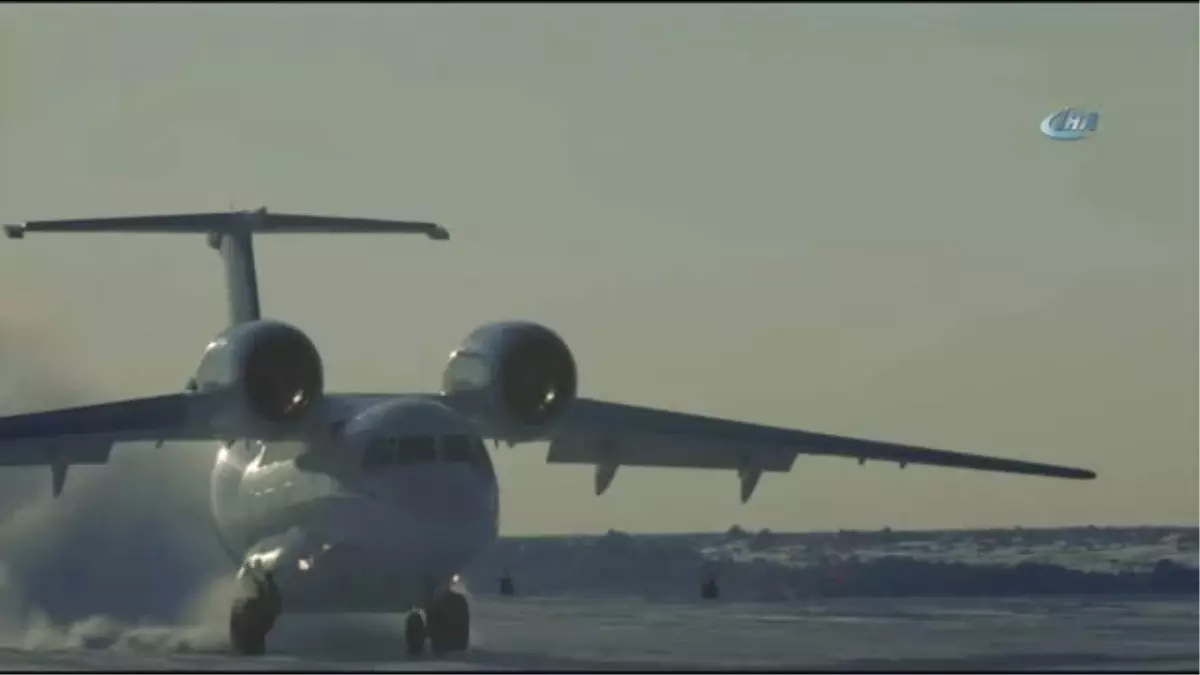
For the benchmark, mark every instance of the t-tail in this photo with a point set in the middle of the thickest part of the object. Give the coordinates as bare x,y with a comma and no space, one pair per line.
231,234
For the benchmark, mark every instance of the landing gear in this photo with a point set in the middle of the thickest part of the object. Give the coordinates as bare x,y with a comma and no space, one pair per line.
253,616
414,634
246,631
446,622
449,624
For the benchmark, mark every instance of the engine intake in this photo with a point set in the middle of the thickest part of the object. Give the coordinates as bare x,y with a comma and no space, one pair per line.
537,377
272,373
516,376
282,375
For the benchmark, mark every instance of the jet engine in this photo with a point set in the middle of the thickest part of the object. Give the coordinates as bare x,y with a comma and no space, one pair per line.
513,378
266,378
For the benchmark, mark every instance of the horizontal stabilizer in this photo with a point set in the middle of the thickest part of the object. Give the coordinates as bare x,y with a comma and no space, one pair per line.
231,222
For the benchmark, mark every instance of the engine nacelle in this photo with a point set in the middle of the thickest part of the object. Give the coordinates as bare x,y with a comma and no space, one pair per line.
268,378
513,378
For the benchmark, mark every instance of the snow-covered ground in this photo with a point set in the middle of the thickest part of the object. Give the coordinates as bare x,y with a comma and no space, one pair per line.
1080,599
769,567
1129,635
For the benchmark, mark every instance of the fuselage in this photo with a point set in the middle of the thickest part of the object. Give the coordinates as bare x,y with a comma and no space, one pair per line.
378,515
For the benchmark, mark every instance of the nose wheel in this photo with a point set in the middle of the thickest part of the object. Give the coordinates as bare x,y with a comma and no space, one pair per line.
446,623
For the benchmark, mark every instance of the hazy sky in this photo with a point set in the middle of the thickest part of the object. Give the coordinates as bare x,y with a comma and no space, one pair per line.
841,219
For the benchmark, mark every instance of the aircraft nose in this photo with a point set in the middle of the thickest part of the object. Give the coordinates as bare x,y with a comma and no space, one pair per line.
450,493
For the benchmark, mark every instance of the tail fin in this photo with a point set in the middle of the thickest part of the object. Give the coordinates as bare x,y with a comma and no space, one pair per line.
230,234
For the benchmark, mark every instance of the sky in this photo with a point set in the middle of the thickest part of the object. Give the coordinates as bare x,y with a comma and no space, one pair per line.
835,218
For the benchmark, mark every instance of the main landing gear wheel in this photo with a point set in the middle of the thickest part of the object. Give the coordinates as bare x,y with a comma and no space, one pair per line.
252,617
448,622
248,626
414,633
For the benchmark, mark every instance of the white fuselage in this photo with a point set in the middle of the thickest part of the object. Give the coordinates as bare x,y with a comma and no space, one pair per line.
378,516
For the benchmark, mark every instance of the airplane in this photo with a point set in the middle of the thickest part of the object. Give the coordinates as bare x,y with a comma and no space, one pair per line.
376,502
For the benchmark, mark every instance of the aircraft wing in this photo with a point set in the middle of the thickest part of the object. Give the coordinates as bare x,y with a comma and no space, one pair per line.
632,432
609,435
604,434
86,434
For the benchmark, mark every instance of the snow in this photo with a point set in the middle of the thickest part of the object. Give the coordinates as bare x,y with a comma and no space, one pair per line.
1084,598
1130,635
123,573
771,567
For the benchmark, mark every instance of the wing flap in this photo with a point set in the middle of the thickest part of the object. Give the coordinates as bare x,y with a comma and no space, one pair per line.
85,435
651,437
64,450
629,448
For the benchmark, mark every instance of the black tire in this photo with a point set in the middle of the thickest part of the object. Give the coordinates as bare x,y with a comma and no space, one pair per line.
437,631
247,633
460,625
450,624
414,634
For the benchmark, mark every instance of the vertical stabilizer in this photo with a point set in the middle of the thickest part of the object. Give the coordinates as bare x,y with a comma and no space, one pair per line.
241,276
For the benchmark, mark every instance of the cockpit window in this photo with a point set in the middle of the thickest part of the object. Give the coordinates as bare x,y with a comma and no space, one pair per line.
403,450
378,453
480,457
456,448
414,449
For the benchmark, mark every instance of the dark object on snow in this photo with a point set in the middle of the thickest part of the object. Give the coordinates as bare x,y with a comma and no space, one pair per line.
506,584
709,589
